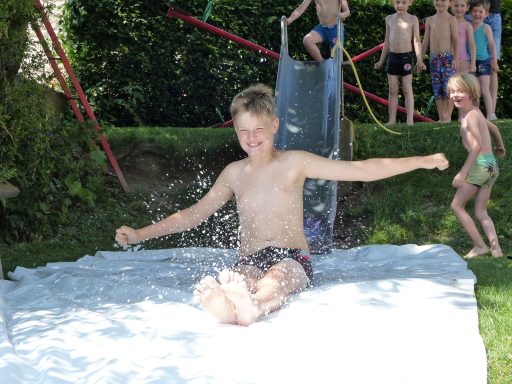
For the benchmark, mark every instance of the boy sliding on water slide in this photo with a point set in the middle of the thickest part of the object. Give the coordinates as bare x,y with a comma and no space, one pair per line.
327,29
480,169
402,33
268,187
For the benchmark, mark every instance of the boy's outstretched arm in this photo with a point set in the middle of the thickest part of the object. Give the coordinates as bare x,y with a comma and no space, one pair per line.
183,220
298,12
318,167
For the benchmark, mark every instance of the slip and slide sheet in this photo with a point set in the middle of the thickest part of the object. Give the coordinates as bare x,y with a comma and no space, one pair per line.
375,314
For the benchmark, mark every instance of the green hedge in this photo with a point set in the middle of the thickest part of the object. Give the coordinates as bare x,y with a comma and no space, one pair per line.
138,66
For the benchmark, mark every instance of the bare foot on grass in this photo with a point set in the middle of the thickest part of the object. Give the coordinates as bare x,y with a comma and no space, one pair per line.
214,300
477,251
496,252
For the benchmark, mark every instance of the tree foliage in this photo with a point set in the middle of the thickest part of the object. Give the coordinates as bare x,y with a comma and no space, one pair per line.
47,157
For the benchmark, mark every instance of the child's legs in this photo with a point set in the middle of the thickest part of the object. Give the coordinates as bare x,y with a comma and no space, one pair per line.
458,206
443,109
409,98
282,279
484,81
480,208
493,89
310,42
251,275
392,98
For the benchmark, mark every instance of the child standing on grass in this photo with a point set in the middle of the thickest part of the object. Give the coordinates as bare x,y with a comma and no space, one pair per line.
466,40
402,33
485,63
327,29
441,38
268,187
480,169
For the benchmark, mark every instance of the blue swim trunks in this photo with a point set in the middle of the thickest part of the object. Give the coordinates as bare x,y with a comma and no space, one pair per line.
483,68
328,33
441,70
484,171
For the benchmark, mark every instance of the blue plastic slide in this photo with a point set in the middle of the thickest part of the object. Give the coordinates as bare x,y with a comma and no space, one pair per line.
308,101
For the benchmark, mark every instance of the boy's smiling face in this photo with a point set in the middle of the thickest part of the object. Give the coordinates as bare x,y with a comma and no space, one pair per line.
442,5
401,6
459,7
256,133
478,14
461,98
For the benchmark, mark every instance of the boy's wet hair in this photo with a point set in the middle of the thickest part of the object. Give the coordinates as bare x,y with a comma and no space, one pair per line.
480,3
465,82
257,100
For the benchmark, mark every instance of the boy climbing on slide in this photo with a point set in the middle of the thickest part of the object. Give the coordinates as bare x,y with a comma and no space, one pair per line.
327,29
268,186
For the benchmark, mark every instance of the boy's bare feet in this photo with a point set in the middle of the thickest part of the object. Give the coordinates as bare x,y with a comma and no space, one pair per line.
214,300
236,291
477,251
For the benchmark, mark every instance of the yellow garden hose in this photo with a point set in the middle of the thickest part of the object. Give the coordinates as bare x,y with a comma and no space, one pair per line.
362,91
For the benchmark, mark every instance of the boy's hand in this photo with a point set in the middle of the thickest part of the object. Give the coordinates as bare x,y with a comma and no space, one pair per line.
420,66
378,64
458,180
494,66
438,161
126,235
500,152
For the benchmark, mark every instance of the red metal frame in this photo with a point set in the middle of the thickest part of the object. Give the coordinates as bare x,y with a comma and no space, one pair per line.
174,12
77,86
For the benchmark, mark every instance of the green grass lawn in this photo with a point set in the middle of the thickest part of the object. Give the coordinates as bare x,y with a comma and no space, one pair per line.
411,208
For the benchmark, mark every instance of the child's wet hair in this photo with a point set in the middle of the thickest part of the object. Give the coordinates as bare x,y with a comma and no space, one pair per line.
465,82
257,100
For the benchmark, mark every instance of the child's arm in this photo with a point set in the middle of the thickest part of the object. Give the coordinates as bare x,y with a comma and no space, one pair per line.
492,48
420,66
454,27
473,143
472,46
495,132
426,38
298,12
385,48
345,10
318,167
183,220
